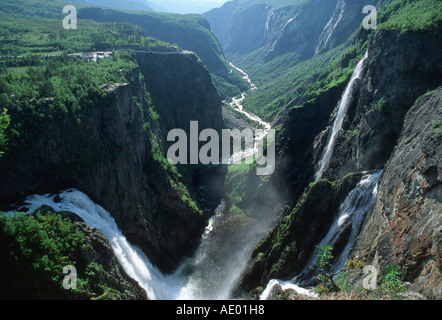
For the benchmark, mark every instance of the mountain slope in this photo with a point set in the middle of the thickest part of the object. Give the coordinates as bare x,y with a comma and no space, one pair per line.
190,32
275,41
127,4
402,64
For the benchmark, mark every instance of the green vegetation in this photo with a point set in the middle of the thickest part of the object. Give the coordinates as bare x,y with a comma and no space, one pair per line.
36,248
381,106
388,284
304,81
323,264
96,31
229,85
437,124
4,123
48,37
410,15
390,279
350,134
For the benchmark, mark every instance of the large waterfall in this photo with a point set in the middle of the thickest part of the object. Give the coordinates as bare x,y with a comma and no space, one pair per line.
194,279
339,119
133,260
351,215
199,277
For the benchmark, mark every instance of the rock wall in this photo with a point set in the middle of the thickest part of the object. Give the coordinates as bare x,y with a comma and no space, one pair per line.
284,251
394,78
405,226
304,27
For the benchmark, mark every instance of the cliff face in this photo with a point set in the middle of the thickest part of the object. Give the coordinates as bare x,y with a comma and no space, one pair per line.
243,27
346,18
300,32
117,155
240,31
405,225
394,78
285,250
182,88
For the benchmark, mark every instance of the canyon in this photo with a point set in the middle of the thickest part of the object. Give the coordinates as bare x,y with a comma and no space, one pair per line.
354,114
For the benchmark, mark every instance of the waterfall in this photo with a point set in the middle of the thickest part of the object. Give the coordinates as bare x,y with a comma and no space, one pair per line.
337,124
194,278
132,259
351,214
203,276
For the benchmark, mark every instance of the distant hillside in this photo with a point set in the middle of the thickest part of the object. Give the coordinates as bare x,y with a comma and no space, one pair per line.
190,32
126,4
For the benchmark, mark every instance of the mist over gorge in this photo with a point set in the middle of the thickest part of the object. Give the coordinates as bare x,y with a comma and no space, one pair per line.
356,117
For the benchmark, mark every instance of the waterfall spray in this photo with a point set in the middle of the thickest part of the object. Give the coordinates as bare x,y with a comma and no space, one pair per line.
352,212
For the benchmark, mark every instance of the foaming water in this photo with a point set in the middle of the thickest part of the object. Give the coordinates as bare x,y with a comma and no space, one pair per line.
132,259
337,124
190,281
351,215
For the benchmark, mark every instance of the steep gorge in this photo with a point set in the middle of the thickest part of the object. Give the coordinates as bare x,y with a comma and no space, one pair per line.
390,124
394,77
117,155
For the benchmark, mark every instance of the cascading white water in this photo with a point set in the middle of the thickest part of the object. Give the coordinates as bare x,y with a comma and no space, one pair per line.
237,104
181,285
339,119
132,259
245,76
351,214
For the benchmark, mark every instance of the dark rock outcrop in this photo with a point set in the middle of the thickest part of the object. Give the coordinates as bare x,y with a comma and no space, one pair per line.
395,77
99,251
405,226
285,250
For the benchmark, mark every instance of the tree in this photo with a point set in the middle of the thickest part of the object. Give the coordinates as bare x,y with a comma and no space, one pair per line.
4,123
323,265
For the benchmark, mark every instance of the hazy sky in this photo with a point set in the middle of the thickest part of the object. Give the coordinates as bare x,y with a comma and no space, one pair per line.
187,6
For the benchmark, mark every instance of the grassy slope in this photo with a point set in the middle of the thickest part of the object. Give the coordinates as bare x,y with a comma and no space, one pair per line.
191,32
